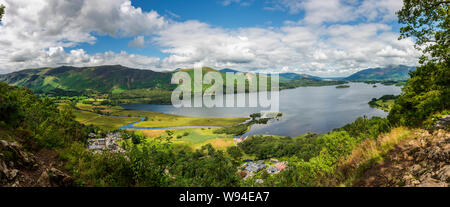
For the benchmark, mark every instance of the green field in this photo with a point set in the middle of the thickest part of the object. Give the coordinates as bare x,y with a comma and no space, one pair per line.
109,122
83,116
99,115
193,138
166,120
384,105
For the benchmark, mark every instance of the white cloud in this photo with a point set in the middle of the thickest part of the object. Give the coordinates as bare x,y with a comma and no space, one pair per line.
40,33
30,28
320,11
380,9
240,2
138,42
337,49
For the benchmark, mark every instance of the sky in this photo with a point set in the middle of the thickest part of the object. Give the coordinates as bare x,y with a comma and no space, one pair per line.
328,38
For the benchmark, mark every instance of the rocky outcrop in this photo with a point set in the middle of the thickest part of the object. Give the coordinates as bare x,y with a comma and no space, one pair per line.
13,158
423,161
54,178
442,122
19,168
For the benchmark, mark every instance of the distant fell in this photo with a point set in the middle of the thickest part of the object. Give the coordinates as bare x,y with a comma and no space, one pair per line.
391,73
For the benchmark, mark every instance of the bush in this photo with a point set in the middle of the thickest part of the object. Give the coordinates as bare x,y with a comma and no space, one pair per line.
425,93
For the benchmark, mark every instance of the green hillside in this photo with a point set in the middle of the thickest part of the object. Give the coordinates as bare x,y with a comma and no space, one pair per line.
102,79
391,73
126,85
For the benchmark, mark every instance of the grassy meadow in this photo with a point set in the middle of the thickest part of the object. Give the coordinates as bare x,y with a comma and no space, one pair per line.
105,116
194,138
167,120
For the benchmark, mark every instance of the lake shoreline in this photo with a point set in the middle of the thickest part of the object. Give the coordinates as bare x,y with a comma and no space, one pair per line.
305,109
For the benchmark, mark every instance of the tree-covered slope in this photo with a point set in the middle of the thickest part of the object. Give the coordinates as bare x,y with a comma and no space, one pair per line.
116,79
103,79
395,73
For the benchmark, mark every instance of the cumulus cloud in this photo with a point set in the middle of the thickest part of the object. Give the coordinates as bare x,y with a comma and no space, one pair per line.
317,12
30,28
338,49
41,33
138,42
57,56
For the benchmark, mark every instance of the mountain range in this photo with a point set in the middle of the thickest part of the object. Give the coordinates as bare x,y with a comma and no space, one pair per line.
117,78
389,73
103,79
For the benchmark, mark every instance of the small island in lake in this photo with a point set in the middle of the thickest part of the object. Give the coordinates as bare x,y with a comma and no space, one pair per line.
343,86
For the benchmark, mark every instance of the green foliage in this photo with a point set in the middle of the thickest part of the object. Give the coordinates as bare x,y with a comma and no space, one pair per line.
431,121
308,146
237,130
235,152
150,164
2,11
205,167
255,116
300,173
384,102
264,147
48,125
9,107
337,144
313,158
142,166
429,23
427,92
319,170
169,133
240,129
363,127
137,138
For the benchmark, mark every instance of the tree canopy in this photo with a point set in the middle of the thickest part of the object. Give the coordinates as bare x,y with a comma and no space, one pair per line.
429,23
427,91
2,11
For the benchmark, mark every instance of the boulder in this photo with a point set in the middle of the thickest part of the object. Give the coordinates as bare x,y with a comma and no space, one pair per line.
59,178
13,152
54,178
442,122
444,174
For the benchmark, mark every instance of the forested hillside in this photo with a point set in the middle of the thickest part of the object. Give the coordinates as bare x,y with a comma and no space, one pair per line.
390,73
102,79
125,85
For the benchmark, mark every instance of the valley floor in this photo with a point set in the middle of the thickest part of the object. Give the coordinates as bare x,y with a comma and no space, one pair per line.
114,117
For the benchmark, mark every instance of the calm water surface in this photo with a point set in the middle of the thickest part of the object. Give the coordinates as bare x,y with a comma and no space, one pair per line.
305,109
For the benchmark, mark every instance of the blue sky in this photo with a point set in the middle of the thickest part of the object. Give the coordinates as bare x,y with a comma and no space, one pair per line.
325,38
212,12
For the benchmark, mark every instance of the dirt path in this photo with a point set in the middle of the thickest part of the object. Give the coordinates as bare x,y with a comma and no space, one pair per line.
420,161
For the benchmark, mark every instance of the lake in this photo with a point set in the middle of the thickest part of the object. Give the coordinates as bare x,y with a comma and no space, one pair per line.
305,109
